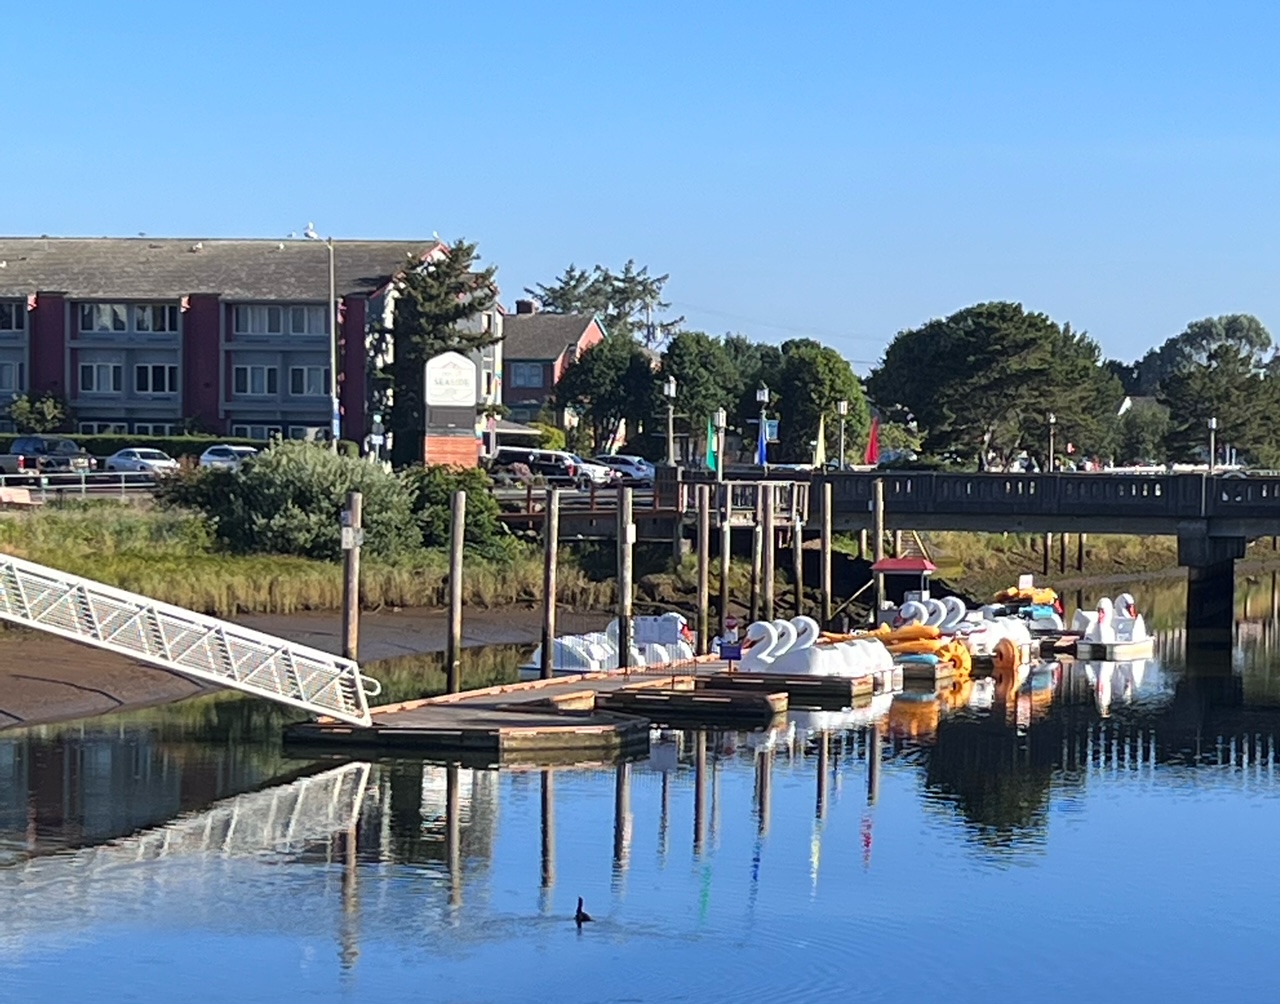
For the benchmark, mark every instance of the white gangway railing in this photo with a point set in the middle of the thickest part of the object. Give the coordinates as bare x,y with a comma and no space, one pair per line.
182,641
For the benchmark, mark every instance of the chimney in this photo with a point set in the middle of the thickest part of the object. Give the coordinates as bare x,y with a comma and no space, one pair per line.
526,306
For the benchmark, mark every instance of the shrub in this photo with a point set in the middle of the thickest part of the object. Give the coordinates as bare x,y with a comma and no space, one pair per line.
432,488
289,500
552,436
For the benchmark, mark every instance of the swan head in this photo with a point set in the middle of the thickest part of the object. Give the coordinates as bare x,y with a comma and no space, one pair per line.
761,632
911,612
1105,609
786,635
937,611
807,630
1125,605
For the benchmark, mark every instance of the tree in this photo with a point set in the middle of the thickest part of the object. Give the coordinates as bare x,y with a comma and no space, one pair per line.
47,414
981,382
609,384
1142,432
432,489
704,374
1218,368
432,303
626,302
758,365
812,381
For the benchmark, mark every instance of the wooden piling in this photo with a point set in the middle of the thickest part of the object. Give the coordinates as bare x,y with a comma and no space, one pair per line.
862,543
757,554
352,529
797,566
824,762
704,569
1080,542
826,555
764,776
550,557
1047,553
699,790
621,816
873,765
877,519
726,551
767,565
1062,552
897,543
453,644
548,829
626,549
453,831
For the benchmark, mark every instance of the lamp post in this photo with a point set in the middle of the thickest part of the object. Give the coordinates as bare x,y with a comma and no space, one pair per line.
762,398
1213,444
335,410
720,420
1053,423
669,391
843,408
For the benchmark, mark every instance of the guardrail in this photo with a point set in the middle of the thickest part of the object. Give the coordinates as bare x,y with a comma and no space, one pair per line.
82,483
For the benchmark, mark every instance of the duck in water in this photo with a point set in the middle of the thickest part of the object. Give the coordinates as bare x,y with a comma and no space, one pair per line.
581,916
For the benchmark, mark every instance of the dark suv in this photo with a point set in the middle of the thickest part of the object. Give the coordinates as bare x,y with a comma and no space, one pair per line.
49,455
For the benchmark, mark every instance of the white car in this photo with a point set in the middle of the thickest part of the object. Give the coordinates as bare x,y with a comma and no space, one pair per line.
588,473
633,469
141,460
226,457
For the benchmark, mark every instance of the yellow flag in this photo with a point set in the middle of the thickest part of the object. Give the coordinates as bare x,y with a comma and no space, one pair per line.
820,447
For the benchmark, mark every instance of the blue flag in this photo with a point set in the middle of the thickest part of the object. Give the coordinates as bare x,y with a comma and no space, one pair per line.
762,444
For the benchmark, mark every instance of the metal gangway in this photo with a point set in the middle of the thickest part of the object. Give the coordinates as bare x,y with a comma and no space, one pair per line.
181,641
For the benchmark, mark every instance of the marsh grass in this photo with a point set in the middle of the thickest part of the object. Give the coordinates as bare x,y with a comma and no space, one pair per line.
169,555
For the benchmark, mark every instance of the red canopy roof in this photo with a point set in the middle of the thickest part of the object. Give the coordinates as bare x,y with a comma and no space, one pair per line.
913,566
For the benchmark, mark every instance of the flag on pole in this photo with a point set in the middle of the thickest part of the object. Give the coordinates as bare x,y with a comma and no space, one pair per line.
820,447
872,456
713,457
762,444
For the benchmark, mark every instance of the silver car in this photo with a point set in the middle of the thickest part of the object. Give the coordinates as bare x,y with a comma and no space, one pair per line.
141,460
226,457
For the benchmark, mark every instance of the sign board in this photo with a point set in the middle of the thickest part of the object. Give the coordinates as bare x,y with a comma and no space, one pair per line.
771,430
351,538
730,653
451,381
1026,582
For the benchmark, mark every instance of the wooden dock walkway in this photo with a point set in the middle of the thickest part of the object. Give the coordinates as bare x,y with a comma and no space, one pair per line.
592,716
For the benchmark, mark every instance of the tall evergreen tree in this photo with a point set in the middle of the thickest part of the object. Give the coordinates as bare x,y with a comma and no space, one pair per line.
627,302
432,303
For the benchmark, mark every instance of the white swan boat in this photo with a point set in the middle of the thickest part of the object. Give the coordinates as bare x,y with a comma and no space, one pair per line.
1114,632
793,648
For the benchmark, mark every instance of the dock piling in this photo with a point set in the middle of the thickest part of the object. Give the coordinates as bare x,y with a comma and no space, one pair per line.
757,553
626,552
877,519
726,549
352,530
826,555
769,556
551,547
704,569
453,653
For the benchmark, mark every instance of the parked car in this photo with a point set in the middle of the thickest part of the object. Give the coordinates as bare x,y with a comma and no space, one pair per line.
141,460
227,457
634,470
551,466
593,473
46,455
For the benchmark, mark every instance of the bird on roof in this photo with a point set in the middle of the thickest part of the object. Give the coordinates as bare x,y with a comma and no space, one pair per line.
310,233
581,916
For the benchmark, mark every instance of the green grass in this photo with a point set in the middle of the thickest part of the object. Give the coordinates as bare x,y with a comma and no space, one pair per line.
169,555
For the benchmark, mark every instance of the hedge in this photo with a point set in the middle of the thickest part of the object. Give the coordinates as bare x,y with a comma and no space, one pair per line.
176,446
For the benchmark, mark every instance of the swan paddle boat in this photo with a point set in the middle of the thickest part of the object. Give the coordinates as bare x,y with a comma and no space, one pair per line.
798,648
1114,632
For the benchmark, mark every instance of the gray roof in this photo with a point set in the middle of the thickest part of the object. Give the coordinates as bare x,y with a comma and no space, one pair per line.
541,336
168,268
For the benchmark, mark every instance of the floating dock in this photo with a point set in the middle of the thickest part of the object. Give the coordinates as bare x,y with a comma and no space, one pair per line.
595,715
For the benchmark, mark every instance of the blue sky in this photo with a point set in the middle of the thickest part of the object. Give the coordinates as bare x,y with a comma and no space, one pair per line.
839,170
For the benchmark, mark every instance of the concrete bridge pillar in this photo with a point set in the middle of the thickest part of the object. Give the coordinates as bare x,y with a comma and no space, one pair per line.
1211,579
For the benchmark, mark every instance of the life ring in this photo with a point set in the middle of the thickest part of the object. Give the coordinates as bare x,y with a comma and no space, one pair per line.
1005,656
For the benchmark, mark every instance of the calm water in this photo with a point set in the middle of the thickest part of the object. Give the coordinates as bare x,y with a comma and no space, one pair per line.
1093,836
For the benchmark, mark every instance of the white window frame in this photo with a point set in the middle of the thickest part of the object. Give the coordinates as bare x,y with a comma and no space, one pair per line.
258,319
153,429
115,376
157,318
102,428
18,383
13,315
116,318
270,375
246,432
321,375
168,371
308,319
523,373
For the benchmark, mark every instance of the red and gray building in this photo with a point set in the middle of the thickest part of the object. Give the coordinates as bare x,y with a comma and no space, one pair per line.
149,336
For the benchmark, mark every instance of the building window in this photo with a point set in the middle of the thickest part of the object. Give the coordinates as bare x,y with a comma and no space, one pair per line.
152,429
155,317
261,433
309,381
526,374
104,317
258,319
155,379
308,320
103,429
309,433
13,316
101,378
255,381
12,378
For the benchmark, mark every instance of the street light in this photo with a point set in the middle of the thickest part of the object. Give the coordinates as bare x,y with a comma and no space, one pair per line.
720,420
1213,444
762,397
843,408
1053,422
669,391
335,410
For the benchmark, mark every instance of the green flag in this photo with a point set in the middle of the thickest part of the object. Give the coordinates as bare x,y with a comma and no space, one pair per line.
713,460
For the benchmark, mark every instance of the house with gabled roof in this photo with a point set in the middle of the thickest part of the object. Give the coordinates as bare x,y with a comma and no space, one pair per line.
537,348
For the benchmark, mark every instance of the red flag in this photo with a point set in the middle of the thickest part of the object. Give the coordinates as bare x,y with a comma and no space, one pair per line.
872,456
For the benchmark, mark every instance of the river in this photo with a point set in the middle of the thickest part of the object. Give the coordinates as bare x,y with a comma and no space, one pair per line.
1074,840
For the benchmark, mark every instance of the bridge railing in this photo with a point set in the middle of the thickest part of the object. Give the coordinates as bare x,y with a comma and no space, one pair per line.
1234,497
